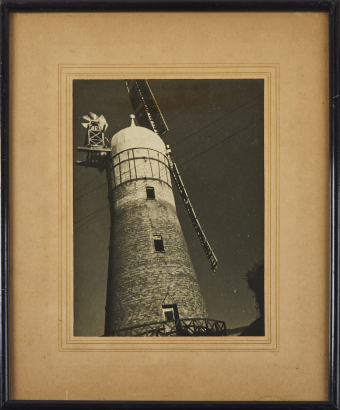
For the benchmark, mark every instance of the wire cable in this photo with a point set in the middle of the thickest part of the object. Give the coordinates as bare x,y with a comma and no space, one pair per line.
190,105
223,126
181,164
205,127
92,213
88,183
92,217
86,193
218,119
220,142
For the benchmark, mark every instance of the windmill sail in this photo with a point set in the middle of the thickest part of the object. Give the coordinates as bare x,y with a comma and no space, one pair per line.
150,116
203,239
145,106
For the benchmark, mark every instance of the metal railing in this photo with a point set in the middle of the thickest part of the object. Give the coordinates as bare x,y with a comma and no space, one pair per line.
177,327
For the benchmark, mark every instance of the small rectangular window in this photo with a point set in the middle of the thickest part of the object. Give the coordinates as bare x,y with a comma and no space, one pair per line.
169,315
150,192
170,312
158,241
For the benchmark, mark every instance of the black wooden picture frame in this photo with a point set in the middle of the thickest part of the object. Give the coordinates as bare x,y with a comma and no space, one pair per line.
332,8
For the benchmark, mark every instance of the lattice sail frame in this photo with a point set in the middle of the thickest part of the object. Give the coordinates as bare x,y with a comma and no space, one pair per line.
149,116
198,228
145,106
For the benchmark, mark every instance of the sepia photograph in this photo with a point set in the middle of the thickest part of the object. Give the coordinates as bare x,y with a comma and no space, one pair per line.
172,221
168,207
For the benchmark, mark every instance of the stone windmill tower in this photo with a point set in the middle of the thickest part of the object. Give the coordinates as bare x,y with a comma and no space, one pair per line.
152,289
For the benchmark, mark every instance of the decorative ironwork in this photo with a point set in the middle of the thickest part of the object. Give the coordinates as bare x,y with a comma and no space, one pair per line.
176,327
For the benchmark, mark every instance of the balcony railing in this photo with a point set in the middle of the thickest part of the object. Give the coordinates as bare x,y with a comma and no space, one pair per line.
177,327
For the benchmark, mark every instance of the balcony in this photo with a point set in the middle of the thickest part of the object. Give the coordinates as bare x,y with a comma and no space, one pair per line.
177,327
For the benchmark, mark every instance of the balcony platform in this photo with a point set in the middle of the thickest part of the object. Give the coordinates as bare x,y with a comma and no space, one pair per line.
177,327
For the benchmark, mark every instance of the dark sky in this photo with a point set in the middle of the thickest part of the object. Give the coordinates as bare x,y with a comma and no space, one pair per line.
216,136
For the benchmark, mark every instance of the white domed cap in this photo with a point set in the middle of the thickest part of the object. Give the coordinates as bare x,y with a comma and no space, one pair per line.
136,137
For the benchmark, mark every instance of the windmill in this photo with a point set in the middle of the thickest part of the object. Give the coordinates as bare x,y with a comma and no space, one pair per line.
138,160
150,116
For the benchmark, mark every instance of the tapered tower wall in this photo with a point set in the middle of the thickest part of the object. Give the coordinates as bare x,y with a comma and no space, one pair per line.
139,276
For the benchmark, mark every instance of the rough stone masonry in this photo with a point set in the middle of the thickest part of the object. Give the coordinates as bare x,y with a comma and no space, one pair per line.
149,263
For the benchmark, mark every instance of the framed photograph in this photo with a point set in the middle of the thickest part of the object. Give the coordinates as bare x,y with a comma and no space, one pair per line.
170,205
174,294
